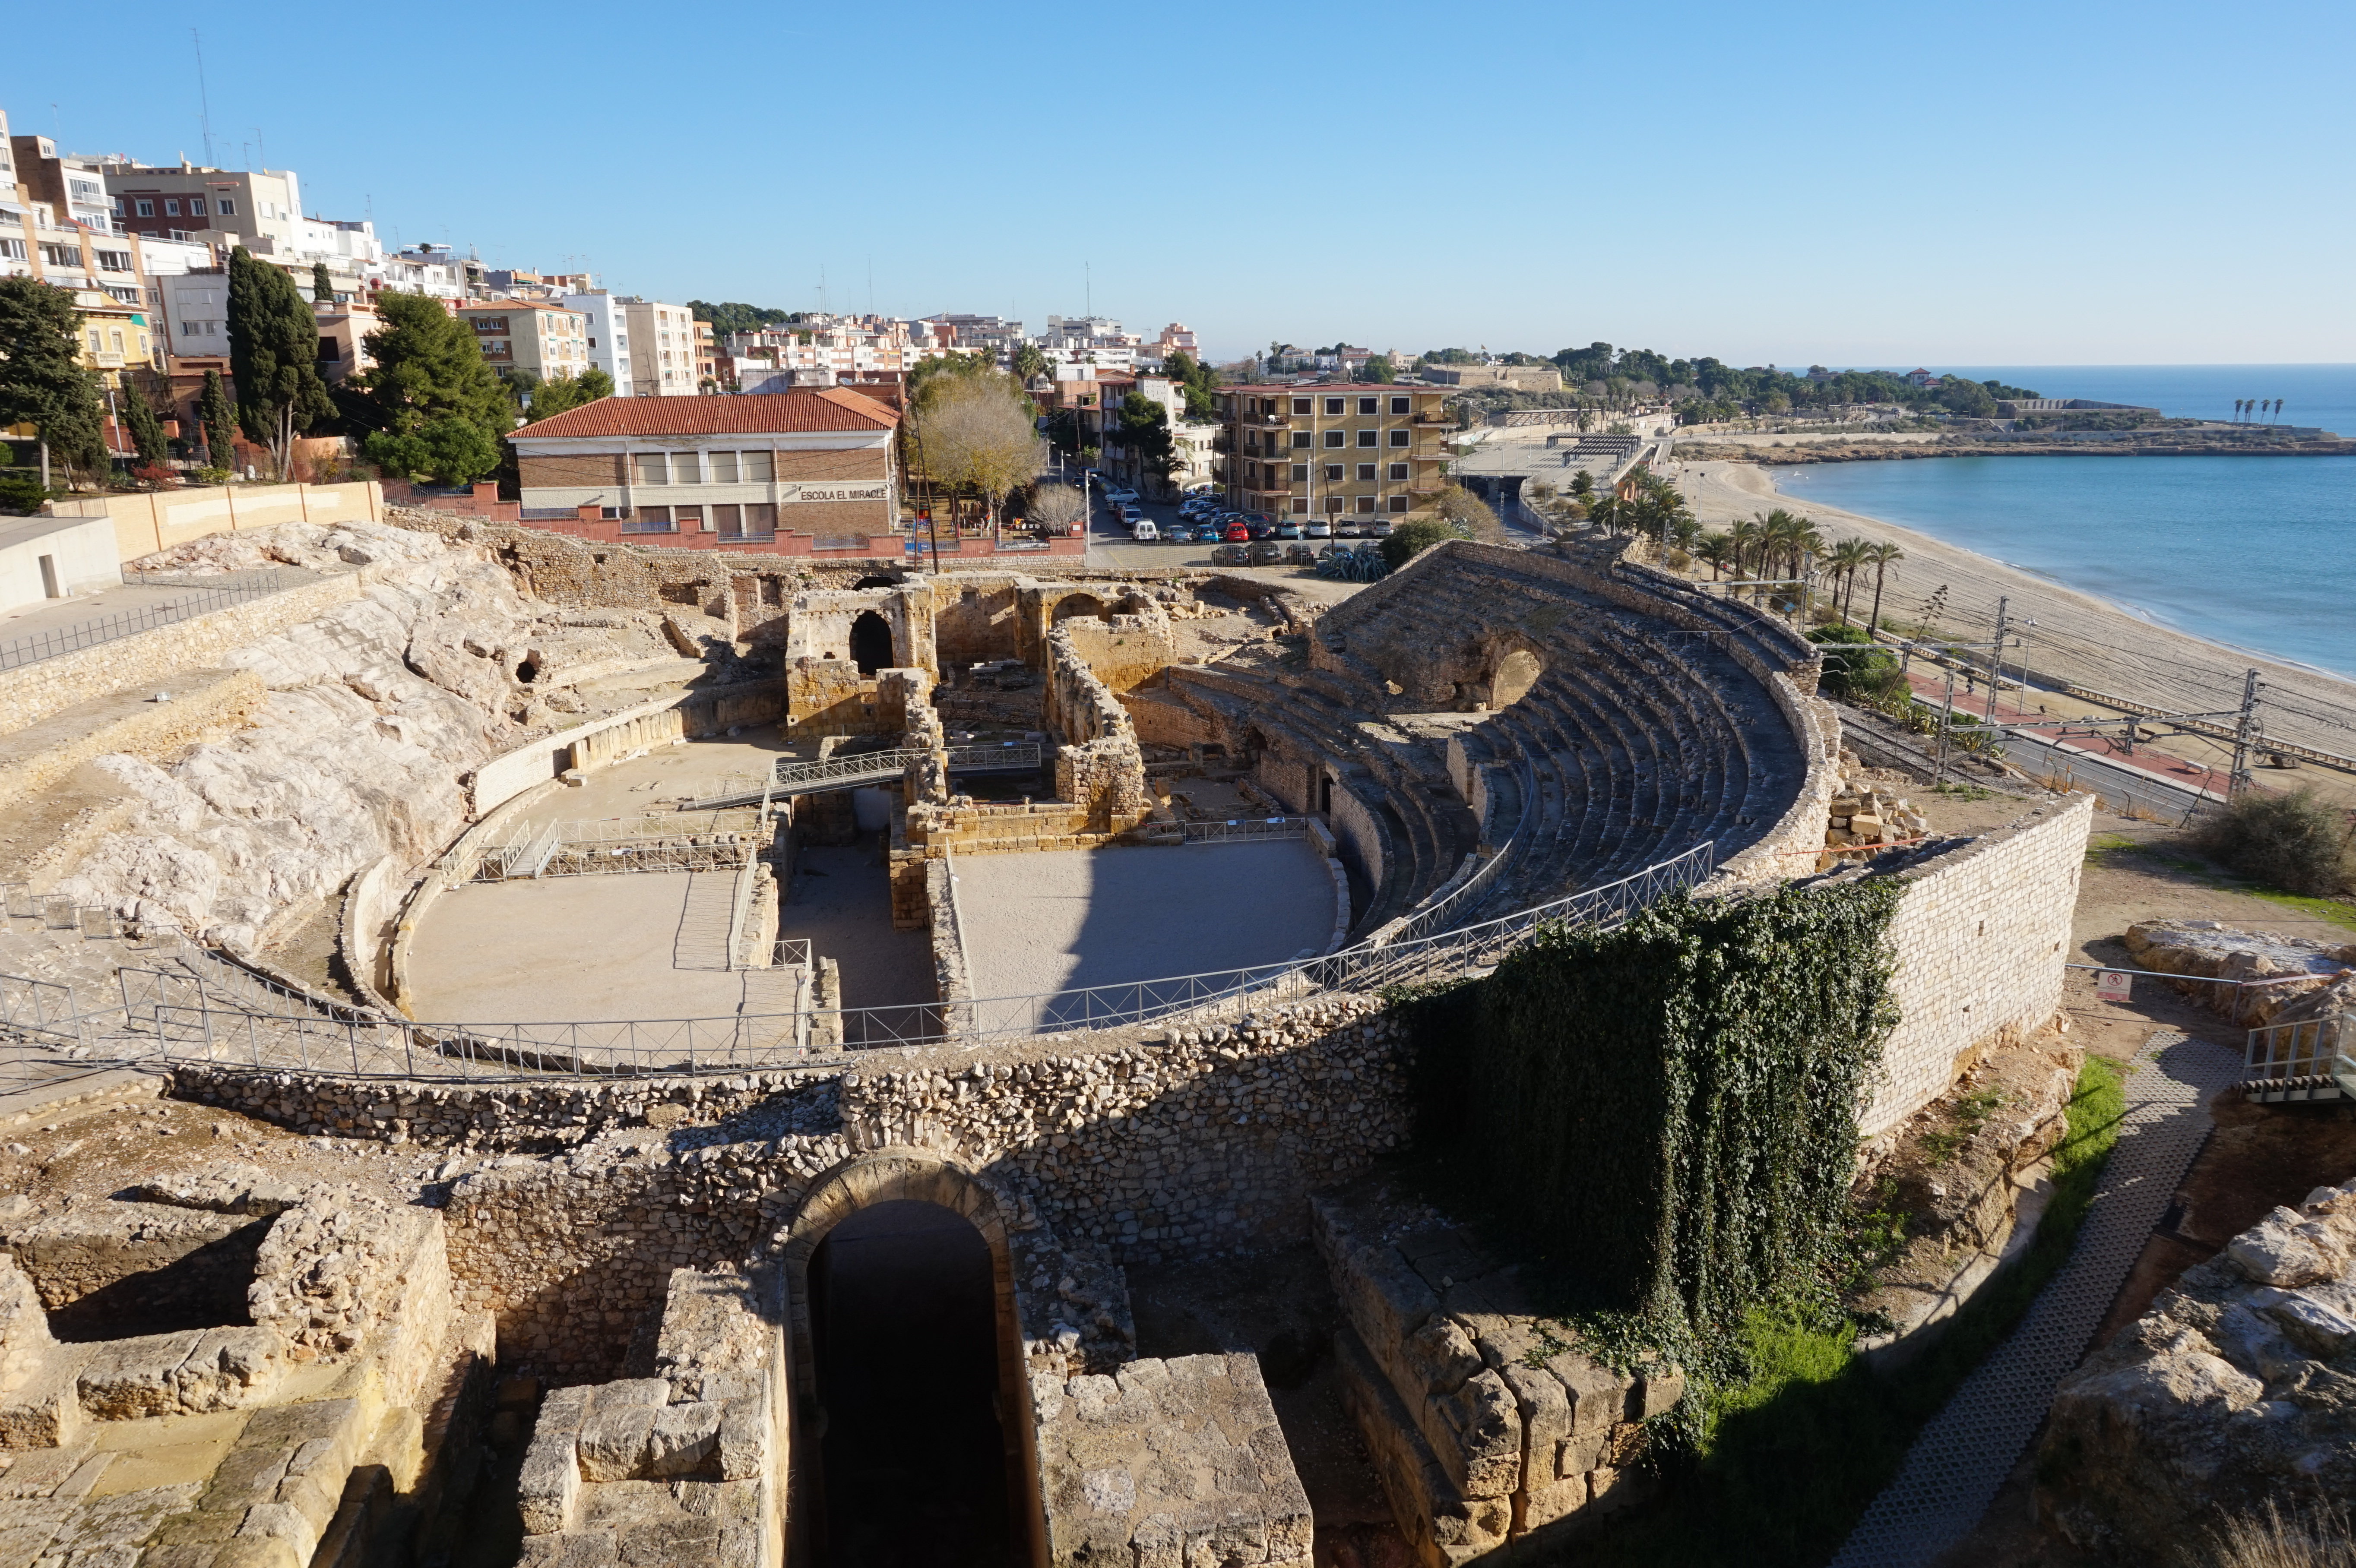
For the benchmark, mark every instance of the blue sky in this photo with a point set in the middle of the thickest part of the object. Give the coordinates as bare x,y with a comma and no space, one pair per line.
1873,184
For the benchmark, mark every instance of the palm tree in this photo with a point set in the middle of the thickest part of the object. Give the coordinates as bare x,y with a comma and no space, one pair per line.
1846,558
1742,537
2237,409
1885,555
1719,550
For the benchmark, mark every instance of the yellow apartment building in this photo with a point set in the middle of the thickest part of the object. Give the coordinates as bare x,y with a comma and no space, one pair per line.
516,336
1368,451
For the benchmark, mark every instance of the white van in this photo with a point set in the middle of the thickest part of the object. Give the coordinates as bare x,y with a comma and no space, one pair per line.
1144,532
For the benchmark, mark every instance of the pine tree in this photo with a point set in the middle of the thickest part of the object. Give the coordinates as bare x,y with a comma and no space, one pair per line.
214,414
274,357
42,382
427,372
323,288
146,430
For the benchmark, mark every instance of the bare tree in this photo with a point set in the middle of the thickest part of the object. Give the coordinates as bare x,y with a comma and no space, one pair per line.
974,433
1057,507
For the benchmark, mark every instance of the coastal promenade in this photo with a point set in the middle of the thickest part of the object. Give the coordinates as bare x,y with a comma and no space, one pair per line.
2078,637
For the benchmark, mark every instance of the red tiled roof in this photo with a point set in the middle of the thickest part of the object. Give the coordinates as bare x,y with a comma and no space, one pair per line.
822,407
1319,388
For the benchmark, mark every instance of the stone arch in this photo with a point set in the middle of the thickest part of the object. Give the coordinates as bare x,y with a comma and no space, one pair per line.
1510,665
887,1176
1076,605
871,642
875,583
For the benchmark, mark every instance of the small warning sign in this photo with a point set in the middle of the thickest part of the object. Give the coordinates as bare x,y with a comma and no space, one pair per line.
2114,985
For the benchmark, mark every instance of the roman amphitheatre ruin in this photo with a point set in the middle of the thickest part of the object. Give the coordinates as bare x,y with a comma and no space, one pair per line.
532,1051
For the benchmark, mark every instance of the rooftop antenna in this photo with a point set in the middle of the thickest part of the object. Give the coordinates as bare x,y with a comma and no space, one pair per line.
260,151
204,97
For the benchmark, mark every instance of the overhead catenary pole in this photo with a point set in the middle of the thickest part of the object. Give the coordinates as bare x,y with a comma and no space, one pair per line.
2245,731
1946,723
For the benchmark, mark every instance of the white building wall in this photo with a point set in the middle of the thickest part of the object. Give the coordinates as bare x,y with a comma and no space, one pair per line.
609,337
80,552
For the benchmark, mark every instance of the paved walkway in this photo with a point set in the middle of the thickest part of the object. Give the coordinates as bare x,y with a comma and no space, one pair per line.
1961,1458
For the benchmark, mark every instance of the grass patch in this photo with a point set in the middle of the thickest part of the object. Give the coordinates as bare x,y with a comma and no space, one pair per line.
1794,1449
2103,848
1963,791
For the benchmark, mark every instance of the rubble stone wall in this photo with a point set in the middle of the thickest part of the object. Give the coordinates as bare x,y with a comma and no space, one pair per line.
1126,651
1981,938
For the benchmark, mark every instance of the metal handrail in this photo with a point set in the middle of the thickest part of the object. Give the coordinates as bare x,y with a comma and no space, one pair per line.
39,645
2302,1047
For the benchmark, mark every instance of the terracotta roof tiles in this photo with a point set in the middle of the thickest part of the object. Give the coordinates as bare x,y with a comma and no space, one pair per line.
817,409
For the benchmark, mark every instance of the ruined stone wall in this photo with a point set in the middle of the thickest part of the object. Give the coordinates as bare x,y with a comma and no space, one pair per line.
1126,651
1981,938
1358,832
1098,765
975,618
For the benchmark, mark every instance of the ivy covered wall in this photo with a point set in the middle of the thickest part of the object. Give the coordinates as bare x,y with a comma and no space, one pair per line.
1669,1109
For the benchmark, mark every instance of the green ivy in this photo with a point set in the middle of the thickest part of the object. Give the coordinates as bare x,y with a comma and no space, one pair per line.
1669,1110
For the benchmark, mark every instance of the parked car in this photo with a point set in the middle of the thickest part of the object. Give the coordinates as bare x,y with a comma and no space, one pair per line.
1266,552
1319,529
1121,494
1288,530
1378,530
1260,528
1179,533
1237,533
1143,532
1230,555
1343,528
1300,555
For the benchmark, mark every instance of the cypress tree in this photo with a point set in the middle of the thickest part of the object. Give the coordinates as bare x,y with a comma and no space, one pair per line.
214,414
323,288
42,381
274,357
146,430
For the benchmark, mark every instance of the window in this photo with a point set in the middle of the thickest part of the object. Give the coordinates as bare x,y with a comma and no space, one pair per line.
1398,503
196,206
685,469
1301,438
1398,471
649,520
1370,405
12,250
328,352
1333,473
114,261
146,207
1335,405
759,467
1369,437
1336,438
1300,473
1402,405
61,255
1300,405
1334,504
723,467
95,346
690,520
226,207
728,521
1301,504
1365,506
1402,438
760,517
171,206
1365,473
117,339
653,469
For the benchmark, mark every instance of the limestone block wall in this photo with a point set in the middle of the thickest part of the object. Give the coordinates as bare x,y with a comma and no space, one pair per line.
204,705
1126,651
1098,765
33,692
1981,938
1788,847
975,618
1358,831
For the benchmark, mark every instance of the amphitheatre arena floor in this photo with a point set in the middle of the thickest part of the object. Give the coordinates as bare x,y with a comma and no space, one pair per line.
1057,921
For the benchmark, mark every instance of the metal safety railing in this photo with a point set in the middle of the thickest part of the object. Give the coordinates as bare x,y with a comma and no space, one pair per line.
1236,828
792,777
2305,1054
201,599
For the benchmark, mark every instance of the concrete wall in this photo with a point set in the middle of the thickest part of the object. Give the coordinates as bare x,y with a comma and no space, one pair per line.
80,552
157,519
1981,939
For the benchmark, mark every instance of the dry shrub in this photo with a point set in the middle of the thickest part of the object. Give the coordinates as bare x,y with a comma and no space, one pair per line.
2293,842
2301,1538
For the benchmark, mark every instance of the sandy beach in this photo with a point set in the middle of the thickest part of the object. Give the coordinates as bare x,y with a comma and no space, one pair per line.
2078,637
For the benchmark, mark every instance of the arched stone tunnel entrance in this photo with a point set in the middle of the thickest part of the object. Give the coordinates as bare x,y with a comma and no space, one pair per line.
911,1423
871,642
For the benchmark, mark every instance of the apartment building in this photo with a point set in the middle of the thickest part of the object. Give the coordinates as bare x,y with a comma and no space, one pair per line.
1360,450
737,469
609,335
707,357
434,270
1096,340
662,348
547,340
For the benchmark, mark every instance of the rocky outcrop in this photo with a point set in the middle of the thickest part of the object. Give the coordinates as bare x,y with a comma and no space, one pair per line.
2311,978
2238,1387
375,712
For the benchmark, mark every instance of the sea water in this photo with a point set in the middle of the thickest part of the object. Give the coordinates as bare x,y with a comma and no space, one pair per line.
2256,552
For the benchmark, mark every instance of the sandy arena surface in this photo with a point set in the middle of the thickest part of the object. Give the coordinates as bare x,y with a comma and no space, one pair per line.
1056,920
2174,670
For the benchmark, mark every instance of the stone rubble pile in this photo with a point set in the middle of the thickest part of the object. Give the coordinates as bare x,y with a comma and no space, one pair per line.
2238,1387
1866,816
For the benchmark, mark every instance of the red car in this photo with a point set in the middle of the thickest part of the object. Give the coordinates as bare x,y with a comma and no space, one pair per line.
1238,534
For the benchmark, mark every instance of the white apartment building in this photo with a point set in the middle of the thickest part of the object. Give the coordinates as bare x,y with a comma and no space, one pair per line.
609,336
1089,340
662,348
